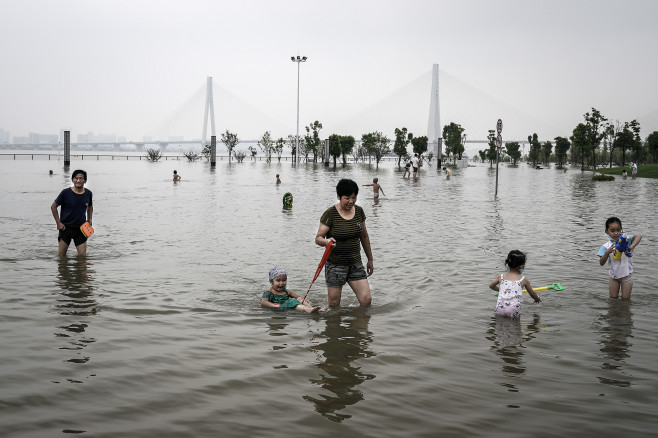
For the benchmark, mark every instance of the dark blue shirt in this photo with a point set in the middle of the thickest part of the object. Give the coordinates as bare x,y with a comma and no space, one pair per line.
74,207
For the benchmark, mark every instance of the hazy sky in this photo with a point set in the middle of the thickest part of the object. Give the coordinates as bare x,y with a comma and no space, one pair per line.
124,67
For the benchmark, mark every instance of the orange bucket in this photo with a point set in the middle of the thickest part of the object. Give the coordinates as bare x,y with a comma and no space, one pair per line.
86,229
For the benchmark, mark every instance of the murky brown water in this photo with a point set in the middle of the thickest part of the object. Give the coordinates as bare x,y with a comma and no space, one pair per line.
158,332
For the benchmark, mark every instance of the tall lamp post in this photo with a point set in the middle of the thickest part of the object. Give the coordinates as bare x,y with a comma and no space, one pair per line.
298,59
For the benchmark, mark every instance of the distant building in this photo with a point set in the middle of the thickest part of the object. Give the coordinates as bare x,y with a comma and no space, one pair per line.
4,136
21,140
90,137
36,138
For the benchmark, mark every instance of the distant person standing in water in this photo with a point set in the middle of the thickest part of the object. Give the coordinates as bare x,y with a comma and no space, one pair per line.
278,181
176,176
414,164
634,171
407,172
77,208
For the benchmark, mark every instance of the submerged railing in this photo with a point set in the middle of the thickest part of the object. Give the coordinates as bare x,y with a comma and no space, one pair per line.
176,157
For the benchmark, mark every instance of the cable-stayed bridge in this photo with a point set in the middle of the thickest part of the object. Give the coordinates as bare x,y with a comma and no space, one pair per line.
424,105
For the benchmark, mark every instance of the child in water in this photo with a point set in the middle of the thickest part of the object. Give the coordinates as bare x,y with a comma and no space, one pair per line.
176,176
278,181
407,170
510,286
278,296
376,187
620,264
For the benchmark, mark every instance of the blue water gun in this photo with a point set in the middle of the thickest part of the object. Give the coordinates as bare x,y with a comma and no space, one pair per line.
622,246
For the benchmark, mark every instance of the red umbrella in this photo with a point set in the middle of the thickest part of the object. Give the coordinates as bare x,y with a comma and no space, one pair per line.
325,256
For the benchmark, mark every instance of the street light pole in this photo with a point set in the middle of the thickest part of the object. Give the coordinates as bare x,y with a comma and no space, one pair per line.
298,60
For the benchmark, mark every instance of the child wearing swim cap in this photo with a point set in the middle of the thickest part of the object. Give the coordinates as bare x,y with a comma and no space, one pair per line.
278,296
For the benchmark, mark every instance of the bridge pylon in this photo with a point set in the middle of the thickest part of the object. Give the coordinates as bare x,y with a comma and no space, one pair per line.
434,123
210,107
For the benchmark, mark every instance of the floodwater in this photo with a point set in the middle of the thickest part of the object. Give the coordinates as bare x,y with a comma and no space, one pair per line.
158,331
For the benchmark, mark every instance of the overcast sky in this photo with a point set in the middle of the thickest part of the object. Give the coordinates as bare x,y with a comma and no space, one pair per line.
124,67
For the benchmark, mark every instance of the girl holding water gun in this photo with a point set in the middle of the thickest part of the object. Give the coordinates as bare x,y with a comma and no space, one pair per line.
617,251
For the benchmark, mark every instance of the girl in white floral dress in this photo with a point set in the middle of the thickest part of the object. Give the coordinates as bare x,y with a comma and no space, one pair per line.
510,284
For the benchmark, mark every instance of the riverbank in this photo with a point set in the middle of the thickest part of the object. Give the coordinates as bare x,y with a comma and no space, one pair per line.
643,170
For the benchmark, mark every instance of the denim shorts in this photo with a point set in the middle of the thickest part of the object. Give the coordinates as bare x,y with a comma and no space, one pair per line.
74,233
337,276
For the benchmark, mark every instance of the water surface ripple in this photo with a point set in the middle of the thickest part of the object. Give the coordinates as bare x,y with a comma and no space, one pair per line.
158,331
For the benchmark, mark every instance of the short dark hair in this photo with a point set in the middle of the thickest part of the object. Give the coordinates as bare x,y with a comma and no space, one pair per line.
75,172
613,220
515,258
346,187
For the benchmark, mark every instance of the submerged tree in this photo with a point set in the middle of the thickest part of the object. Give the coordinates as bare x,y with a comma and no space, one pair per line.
375,143
535,149
452,138
266,144
346,146
253,152
513,149
153,155
491,152
562,145
546,150
595,124
312,139
292,142
652,145
628,139
230,140
579,140
334,147
402,139
419,145
278,148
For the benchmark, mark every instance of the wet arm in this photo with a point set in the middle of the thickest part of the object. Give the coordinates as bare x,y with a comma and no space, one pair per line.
494,284
90,213
604,257
365,243
267,303
321,236
636,241
53,209
531,291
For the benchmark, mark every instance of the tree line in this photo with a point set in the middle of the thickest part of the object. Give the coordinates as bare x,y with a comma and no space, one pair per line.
594,142
597,141
373,145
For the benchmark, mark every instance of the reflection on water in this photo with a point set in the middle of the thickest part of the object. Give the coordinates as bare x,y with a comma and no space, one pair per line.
277,328
179,344
507,338
347,339
616,329
76,279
